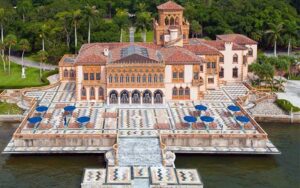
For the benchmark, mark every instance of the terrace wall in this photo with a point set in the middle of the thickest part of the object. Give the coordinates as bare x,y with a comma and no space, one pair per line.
214,140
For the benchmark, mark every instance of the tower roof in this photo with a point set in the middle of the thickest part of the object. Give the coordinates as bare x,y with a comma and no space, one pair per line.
170,5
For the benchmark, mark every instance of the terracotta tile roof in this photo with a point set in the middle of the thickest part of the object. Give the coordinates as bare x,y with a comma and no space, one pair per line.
134,52
93,53
218,44
170,5
67,60
202,49
179,55
237,38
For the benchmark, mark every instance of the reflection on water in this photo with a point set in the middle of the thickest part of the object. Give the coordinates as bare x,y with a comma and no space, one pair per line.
216,170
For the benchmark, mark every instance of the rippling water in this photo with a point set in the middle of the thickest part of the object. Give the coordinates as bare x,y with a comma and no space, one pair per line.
216,170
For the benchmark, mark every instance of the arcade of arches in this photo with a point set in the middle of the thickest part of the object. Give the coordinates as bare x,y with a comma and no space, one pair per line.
135,97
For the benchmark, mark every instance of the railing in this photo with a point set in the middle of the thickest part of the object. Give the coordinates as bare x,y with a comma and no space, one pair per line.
163,148
211,71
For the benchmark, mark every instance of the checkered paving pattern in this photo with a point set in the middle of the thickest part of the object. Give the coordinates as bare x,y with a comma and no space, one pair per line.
235,90
135,121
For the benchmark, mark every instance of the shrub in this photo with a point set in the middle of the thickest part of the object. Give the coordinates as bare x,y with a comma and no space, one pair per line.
287,105
46,75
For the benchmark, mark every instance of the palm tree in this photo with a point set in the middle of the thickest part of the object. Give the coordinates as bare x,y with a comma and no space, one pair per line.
10,41
122,20
2,21
43,55
2,48
23,7
24,45
292,32
274,35
65,19
43,30
143,23
76,15
90,13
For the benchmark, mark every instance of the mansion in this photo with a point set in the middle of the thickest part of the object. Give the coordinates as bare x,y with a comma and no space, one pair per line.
172,67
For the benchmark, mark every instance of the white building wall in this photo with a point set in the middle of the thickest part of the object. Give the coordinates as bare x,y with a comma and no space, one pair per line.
79,78
228,64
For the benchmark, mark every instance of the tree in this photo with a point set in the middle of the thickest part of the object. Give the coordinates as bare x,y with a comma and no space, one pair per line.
196,28
274,35
24,45
10,41
76,15
264,71
122,20
43,55
143,23
2,48
43,30
24,7
291,32
65,18
90,13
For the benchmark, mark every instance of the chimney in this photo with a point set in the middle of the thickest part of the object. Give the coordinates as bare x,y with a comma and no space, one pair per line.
228,45
106,52
173,34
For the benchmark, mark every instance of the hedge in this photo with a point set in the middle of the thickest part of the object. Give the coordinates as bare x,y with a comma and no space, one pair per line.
287,105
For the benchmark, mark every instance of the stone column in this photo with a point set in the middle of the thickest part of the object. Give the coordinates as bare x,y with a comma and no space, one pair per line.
107,100
87,93
152,98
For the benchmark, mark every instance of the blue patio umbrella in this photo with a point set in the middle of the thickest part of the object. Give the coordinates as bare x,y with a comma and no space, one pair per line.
207,119
200,107
243,119
34,120
190,119
233,108
69,108
83,119
41,108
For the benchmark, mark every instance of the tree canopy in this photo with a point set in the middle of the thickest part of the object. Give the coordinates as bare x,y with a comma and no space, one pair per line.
103,21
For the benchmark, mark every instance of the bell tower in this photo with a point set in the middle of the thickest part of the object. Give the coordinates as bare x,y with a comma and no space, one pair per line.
171,29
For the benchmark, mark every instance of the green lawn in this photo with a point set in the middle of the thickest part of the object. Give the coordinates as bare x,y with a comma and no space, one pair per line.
138,37
7,108
15,81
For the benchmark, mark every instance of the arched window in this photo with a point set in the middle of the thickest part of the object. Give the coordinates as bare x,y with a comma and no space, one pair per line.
121,78
92,93
72,73
136,97
161,78
147,97
132,78
149,78
158,96
177,21
172,21
155,78
101,93
181,91
138,79
167,21
113,97
250,52
124,97
174,91
144,78
235,58
116,79
110,79
66,73
83,92
127,79
187,91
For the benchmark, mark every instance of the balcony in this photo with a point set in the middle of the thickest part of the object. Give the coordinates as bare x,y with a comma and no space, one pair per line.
197,82
211,71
